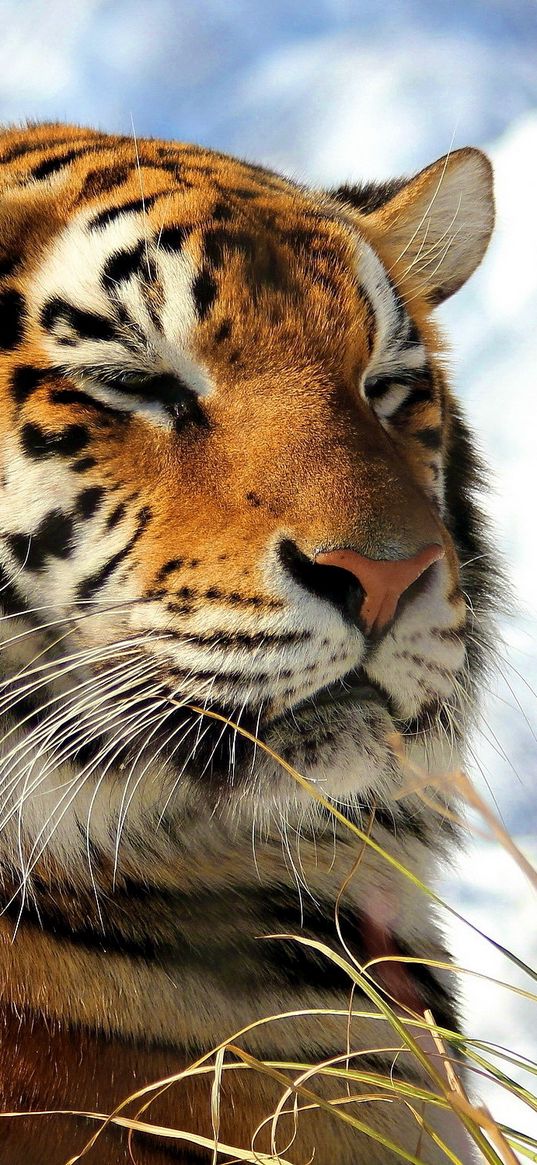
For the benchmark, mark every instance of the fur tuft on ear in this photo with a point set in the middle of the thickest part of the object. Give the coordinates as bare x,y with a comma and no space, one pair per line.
433,229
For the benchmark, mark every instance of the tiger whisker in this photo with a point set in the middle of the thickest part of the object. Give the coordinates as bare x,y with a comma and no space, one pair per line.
77,658
49,728
126,800
63,621
60,697
79,781
177,780
141,728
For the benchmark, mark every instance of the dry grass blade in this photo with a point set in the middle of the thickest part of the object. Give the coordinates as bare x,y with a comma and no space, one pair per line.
465,787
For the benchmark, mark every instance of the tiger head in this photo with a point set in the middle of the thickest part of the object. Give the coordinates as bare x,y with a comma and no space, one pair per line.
235,484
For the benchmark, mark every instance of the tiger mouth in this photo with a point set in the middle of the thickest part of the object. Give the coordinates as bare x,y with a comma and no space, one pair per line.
356,690
353,689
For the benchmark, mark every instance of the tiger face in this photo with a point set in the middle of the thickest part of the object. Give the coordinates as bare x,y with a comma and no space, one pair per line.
234,479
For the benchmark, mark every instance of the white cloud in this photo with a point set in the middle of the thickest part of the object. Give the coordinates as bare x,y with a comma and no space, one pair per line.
38,55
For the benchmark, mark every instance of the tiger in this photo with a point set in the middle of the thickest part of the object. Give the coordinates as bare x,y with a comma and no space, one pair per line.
247,595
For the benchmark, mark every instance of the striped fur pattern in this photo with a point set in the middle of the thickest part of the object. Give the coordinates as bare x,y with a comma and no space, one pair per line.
210,374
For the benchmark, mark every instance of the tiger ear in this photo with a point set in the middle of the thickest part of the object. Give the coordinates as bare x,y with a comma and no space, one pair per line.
434,229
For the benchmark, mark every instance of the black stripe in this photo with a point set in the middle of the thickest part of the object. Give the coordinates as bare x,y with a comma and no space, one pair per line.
94,582
26,379
371,319
221,212
49,918
84,464
297,967
235,638
243,960
173,238
10,601
242,192
52,539
116,516
88,147
32,147
37,442
418,395
223,332
368,197
300,966
204,290
217,242
12,318
430,437
52,165
88,325
75,396
112,212
123,264
377,386
8,264
99,182
169,567
413,338
233,677
89,500
136,206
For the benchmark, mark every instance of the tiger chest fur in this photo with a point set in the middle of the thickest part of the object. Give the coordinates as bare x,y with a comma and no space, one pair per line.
238,505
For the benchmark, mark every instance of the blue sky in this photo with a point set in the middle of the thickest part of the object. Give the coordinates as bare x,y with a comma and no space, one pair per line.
325,88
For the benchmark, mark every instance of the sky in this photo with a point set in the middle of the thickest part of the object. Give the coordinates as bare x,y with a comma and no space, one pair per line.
338,90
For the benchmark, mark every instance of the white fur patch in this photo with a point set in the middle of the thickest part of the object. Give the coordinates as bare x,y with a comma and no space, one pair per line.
73,272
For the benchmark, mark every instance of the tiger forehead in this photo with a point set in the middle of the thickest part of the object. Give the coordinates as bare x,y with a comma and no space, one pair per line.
227,212
209,189
234,203
258,244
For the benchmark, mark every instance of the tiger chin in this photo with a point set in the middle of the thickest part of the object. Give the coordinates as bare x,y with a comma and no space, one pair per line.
245,594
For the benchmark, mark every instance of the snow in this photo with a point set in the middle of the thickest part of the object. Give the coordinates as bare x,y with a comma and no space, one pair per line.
331,91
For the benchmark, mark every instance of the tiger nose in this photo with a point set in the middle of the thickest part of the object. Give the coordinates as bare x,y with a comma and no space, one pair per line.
383,582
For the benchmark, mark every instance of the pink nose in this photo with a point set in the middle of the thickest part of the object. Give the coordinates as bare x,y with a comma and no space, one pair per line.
383,581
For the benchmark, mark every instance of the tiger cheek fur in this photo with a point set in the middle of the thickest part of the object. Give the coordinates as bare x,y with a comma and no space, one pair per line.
234,481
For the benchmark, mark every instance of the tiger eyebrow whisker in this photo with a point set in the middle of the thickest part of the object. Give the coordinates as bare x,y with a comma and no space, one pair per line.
142,196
